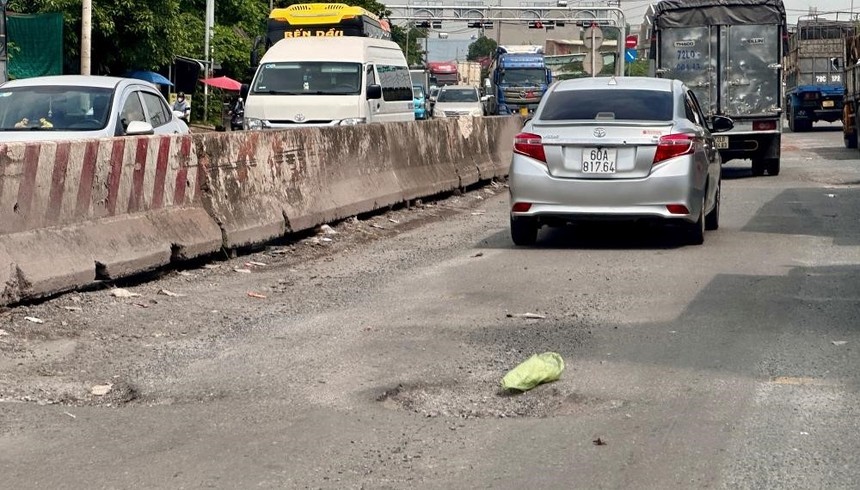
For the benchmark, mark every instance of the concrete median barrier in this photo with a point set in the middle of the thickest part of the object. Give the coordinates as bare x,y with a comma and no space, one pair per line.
75,212
72,213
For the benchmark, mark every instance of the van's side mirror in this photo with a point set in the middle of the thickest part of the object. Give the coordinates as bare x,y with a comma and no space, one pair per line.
721,123
488,83
243,91
374,92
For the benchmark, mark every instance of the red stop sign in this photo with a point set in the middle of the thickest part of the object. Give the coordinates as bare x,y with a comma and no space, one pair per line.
631,42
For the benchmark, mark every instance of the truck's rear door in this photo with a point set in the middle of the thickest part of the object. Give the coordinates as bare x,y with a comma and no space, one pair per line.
751,70
687,54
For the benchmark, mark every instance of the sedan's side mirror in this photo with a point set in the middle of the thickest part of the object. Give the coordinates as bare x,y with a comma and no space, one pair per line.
721,123
138,128
374,92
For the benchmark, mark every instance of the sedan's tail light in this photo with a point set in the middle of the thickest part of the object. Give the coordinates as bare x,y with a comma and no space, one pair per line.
673,145
530,145
764,125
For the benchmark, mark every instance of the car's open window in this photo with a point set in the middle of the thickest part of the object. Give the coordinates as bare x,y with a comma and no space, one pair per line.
690,110
158,113
132,110
698,108
619,104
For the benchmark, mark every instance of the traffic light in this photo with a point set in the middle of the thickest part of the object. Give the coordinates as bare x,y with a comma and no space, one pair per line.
475,25
437,24
535,24
488,25
424,24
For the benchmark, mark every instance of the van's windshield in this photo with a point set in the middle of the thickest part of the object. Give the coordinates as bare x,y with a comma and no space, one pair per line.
308,78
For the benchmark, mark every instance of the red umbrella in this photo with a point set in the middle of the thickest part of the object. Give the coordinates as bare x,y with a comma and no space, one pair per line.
225,83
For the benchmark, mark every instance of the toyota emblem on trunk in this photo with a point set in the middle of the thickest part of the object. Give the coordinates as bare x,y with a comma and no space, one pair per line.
599,132
300,117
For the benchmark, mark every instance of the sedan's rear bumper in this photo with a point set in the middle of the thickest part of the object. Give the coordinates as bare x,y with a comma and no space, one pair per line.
672,182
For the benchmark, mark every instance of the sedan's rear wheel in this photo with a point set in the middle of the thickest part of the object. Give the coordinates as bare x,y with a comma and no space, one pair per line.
524,230
696,231
712,220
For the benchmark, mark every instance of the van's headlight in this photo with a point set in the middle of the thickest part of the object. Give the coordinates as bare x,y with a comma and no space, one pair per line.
352,121
252,123
478,112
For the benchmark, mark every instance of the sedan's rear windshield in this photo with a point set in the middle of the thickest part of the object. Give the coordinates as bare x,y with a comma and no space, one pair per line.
621,104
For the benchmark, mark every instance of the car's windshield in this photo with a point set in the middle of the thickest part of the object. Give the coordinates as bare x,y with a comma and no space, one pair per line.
308,78
54,108
523,77
458,95
417,92
622,104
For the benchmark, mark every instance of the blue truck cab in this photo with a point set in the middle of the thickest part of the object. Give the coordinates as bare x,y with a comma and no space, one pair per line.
518,79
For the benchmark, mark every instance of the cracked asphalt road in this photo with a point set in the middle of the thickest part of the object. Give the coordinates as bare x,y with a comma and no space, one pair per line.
372,360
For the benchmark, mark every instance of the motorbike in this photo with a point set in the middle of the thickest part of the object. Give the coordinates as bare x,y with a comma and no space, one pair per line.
237,119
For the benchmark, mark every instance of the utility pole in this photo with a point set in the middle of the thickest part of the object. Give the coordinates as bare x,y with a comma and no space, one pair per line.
207,67
86,35
4,45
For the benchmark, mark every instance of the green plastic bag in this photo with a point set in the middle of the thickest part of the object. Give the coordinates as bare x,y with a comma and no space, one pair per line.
537,369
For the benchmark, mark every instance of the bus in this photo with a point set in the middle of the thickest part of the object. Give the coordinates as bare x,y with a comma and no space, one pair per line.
324,20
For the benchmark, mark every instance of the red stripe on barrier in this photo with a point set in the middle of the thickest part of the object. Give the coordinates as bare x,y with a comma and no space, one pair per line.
198,186
136,196
88,175
161,173
27,185
58,183
182,174
115,175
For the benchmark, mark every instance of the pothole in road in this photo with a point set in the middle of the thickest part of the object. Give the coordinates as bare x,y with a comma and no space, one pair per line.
485,400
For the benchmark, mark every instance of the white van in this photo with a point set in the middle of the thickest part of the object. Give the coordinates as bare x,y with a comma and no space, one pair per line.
319,81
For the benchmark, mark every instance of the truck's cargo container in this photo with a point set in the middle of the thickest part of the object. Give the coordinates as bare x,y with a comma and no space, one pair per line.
850,119
814,90
729,52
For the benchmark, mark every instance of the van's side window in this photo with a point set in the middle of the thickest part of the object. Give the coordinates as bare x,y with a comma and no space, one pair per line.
396,82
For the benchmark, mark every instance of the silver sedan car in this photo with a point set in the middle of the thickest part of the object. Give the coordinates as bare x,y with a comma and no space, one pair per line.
617,148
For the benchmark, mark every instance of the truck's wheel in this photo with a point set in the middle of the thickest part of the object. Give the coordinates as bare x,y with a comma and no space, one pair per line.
772,165
850,139
758,167
524,231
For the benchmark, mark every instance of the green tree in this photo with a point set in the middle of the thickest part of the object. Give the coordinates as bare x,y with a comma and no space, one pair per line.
414,53
638,68
482,47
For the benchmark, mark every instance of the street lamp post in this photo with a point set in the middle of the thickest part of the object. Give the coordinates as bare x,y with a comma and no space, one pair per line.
4,44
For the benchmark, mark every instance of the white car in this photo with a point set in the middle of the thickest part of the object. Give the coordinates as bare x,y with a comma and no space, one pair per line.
77,106
458,101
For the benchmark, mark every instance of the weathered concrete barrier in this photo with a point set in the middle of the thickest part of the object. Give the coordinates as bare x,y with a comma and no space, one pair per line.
72,213
262,185
75,212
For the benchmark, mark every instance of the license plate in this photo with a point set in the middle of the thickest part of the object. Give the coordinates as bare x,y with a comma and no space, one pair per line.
598,160
524,111
722,142
827,103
